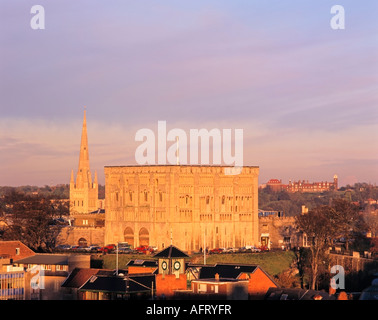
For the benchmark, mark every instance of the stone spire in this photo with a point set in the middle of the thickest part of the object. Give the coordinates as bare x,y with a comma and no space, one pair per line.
83,173
83,193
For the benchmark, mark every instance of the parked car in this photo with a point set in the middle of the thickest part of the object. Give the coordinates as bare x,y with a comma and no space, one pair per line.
252,249
63,247
107,249
144,249
216,250
93,248
74,248
125,250
264,248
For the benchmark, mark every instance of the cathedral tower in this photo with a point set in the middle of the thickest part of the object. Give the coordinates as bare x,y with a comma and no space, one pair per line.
83,191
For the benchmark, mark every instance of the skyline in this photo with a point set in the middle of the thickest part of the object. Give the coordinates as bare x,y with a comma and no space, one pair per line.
304,94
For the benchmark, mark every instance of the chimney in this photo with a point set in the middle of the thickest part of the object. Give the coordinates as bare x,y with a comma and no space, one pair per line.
217,277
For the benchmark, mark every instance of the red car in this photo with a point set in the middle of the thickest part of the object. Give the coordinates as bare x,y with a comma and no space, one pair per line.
144,249
216,250
108,248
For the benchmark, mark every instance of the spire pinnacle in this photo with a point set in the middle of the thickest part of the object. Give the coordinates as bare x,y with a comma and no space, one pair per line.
83,174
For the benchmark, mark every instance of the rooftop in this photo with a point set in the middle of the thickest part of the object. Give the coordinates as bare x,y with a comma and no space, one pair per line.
171,252
44,258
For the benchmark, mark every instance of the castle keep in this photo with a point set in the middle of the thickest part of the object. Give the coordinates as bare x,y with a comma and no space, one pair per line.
192,207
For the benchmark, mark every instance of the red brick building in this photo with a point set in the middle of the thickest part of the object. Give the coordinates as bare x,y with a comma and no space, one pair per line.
14,250
276,185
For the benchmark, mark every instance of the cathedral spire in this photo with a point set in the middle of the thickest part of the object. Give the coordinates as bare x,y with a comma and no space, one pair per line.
84,153
83,193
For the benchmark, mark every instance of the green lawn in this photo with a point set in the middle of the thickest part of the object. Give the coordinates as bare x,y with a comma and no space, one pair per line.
272,262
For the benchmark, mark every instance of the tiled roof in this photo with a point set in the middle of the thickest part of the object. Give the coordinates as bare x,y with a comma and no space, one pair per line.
43,258
171,252
79,276
231,271
142,263
127,284
8,250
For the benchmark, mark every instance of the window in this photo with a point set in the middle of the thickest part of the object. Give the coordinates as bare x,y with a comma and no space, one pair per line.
223,199
17,251
160,196
131,196
207,200
60,267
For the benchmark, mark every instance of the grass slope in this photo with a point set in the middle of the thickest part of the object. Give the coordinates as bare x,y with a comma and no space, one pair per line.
272,262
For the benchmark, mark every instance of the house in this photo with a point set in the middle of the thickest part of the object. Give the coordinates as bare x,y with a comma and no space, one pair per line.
220,288
118,287
258,281
13,250
48,271
77,278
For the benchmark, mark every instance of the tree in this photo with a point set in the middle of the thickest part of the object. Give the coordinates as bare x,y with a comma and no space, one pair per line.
32,219
347,219
320,232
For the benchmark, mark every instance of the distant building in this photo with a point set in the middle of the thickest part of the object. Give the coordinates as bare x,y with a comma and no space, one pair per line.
276,185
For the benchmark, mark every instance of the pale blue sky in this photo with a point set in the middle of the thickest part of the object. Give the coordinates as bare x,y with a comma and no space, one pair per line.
305,95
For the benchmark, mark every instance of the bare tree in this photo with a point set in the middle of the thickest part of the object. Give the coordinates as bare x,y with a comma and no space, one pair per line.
320,232
33,220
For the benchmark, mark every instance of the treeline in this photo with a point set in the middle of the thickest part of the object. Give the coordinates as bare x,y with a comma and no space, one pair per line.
60,191
33,219
291,203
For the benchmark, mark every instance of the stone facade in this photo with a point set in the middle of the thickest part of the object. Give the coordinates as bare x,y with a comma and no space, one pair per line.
189,206
279,232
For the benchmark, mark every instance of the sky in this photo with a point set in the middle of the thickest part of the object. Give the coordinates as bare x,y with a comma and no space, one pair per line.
305,95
